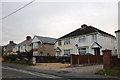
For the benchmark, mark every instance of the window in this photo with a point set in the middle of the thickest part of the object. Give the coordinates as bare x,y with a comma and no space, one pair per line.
67,41
41,53
82,39
67,52
48,54
82,51
94,37
58,53
35,45
59,42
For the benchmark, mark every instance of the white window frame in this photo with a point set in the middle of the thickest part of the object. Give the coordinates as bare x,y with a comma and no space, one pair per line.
67,41
82,39
68,52
94,37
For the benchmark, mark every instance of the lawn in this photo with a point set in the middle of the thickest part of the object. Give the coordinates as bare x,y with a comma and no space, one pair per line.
111,72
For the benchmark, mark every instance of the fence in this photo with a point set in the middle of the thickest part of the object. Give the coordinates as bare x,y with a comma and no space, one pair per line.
86,59
115,62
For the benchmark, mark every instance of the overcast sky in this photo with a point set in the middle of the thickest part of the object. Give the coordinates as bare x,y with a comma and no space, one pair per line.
55,19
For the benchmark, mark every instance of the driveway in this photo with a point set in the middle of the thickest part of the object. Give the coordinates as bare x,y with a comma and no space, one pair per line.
83,69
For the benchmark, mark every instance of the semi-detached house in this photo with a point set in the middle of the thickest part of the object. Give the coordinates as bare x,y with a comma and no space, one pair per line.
85,40
43,46
24,46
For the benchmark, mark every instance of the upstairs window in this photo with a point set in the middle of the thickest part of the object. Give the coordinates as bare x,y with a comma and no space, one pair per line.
94,37
67,41
82,39
67,52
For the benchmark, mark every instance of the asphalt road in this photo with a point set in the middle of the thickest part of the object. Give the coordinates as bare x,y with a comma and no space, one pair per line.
13,72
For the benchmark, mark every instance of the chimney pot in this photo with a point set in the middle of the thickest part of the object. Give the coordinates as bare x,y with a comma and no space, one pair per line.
28,37
83,26
10,42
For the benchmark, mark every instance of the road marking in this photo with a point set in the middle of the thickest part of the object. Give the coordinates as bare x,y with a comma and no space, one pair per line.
33,73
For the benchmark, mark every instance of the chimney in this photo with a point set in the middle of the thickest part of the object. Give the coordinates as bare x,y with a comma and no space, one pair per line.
83,26
28,37
10,42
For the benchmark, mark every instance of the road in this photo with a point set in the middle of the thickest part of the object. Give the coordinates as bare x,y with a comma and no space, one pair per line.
8,73
24,73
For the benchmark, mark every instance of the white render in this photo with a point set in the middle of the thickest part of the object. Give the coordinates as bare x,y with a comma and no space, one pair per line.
118,43
22,48
106,41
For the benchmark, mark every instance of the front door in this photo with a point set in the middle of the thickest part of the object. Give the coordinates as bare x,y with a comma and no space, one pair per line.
97,51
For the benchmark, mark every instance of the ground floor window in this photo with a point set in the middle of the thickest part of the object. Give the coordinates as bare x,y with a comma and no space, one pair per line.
58,53
82,51
41,53
67,52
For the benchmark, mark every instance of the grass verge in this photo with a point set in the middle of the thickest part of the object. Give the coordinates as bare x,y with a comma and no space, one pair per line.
111,72
22,64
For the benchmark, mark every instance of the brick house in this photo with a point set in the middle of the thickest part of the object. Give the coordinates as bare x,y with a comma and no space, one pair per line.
43,46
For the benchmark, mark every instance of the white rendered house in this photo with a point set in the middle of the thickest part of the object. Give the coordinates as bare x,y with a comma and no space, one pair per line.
85,40
118,42
24,46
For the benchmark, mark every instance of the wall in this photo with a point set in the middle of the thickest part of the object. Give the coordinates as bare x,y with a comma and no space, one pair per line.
46,48
118,42
109,61
68,46
107,42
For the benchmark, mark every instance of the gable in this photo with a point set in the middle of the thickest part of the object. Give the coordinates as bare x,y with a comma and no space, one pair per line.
35,39
96,45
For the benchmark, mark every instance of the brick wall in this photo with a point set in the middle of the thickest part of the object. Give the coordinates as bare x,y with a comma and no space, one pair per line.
109,61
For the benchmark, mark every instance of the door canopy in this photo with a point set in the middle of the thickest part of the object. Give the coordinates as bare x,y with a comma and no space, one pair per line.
96,45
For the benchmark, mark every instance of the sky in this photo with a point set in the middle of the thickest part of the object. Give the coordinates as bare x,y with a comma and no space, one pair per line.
55,19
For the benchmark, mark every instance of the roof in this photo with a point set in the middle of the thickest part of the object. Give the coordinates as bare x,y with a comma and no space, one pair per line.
117,31
47,40
25,42
96,45
87,30
10,45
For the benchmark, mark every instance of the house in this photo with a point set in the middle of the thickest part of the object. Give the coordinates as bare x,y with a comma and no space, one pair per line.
118,42
8,49
85,40
24,46
43,46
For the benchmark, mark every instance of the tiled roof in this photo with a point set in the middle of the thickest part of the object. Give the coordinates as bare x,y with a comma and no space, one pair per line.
10,45
47,40
87,30
25,42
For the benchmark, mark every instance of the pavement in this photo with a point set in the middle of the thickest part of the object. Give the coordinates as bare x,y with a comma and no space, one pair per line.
62,74
83,68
